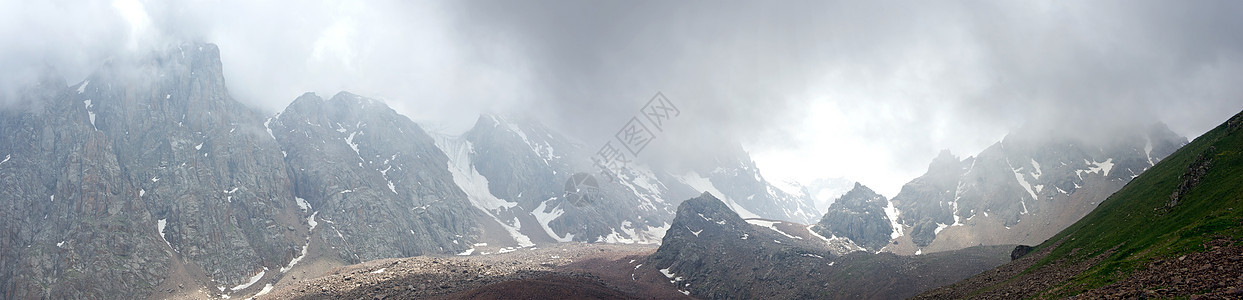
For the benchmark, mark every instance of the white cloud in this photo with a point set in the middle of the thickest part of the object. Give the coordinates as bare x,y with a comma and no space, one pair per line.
139,22
869,91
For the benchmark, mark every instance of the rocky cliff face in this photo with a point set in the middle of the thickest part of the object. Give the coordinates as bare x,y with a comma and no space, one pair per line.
374,177
148,179
141,164
703,251
1022,190
148,171
859,215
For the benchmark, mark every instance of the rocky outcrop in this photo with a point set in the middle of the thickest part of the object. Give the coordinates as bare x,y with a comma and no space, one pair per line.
859,215
1020,251
703,252
1234,123
1192,176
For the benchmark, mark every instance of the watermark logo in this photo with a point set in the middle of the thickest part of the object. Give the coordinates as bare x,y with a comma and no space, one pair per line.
658,110
635,136
582,189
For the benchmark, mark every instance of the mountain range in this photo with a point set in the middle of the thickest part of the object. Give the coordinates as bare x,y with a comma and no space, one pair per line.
149,178
1021,190
1173,232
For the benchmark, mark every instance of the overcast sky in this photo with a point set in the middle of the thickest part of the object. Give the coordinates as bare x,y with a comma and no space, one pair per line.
866,90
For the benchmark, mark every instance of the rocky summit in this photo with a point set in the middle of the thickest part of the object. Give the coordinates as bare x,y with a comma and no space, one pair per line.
859,215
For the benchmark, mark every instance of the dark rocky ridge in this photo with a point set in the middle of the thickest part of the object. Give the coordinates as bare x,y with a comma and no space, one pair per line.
859,215
137,142
1192,177
1020,251
374,176
712,253
94,172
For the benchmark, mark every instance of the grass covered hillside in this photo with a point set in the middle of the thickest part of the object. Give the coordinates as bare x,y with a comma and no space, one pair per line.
1185,211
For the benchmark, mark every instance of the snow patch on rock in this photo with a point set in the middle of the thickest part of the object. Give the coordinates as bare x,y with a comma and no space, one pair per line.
545,215
160,224
771,225
252,281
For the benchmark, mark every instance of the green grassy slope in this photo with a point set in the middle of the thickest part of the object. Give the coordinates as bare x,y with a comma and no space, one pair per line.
1138,223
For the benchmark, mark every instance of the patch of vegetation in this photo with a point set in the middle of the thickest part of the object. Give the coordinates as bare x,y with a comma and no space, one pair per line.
1136,224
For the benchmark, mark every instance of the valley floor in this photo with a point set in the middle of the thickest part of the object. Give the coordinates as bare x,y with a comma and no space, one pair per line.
553,271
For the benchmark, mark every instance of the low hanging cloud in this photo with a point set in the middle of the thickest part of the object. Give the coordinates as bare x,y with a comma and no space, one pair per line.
864,90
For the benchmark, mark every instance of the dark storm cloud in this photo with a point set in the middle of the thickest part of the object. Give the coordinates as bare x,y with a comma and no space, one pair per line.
740,70
911,77
869,90
42,37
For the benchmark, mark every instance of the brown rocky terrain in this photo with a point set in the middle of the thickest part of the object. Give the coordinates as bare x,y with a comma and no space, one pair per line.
723,257
559,271
1213,274
1216,273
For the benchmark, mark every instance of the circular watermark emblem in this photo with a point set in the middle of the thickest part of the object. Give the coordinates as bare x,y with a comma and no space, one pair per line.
582,189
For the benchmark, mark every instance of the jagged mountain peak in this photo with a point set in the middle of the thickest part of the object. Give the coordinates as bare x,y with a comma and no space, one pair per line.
178,62
346,110
348,101
706,218
858,215
530,130
307,99
707,205
341,100
944,160
308,105
860,193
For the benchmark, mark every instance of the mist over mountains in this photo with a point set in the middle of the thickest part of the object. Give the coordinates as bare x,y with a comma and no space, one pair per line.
192,188
869,92
548,149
